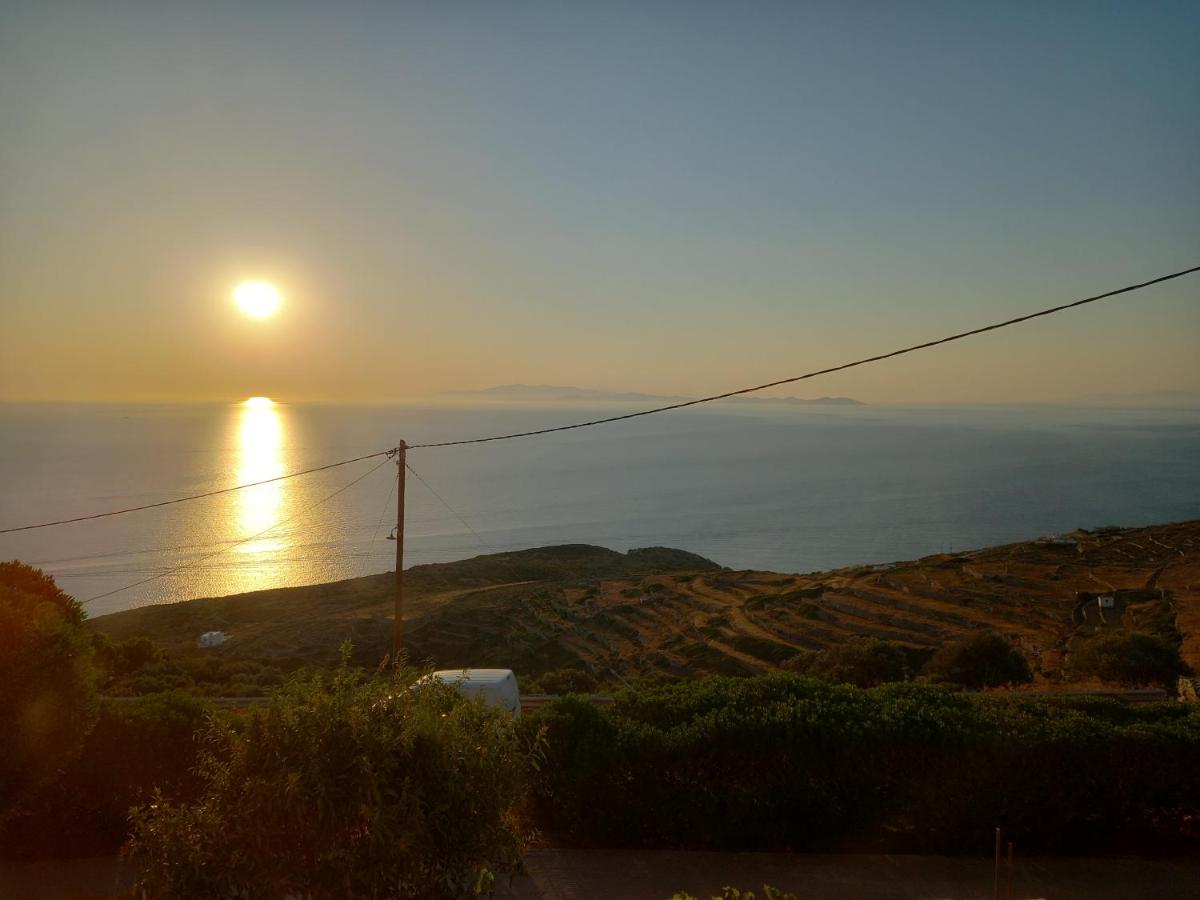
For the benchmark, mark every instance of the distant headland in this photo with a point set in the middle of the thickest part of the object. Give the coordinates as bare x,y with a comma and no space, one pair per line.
551,393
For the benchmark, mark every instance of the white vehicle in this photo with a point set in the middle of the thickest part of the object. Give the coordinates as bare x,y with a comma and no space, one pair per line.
498,687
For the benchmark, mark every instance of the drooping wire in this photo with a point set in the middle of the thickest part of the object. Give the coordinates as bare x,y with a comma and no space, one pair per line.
193,562
634,415
201,496
387,502
482,543
839,368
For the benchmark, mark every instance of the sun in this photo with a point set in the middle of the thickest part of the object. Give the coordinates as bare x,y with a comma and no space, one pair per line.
258,299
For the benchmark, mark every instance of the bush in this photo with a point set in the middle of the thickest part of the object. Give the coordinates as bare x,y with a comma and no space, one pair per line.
137,747
47,683
985,659
561,681
1132,659
343,785
732,893
864,662
117,659
781,761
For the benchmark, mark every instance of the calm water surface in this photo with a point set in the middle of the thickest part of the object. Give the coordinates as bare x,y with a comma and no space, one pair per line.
791,490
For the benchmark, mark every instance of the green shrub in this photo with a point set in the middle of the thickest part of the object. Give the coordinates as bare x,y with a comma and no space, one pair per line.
47,683
117,659
137,746
1130,658
732,893
561,681
864,662
343,785
985,659
781,761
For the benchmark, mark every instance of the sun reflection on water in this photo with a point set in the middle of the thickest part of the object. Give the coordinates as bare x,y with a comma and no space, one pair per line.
260,456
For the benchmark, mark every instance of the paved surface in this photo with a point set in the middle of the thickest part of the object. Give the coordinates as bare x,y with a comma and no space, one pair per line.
656,875
52,879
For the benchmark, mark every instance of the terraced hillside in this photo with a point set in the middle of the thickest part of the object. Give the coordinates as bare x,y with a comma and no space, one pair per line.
743,622
662,612
309,623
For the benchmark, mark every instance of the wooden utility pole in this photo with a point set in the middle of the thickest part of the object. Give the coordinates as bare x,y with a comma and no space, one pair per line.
398,615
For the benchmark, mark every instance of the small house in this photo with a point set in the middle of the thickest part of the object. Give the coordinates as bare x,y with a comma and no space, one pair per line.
211,639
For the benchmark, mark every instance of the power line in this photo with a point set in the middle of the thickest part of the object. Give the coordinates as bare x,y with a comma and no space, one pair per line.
238,543
840,368
634,415
236,487
453,512
174,548
387,502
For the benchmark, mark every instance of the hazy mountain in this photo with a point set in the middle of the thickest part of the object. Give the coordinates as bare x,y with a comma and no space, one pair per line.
801,401
553,393
560,393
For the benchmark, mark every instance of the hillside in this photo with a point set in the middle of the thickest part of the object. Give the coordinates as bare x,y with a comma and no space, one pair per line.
312,621
665,612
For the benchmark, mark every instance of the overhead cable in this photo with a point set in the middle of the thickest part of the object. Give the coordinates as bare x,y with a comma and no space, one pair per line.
634,415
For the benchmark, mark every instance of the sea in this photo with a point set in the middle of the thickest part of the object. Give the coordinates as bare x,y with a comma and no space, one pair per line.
750,485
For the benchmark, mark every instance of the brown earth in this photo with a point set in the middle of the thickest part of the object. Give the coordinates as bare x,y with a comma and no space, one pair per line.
664,612
659,874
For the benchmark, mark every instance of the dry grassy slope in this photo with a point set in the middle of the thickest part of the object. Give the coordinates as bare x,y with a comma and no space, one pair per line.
668,612
752,621
312,621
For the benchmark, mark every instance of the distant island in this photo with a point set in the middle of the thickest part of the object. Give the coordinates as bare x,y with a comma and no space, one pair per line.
551,393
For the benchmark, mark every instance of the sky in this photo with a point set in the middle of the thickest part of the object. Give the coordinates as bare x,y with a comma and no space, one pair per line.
665,197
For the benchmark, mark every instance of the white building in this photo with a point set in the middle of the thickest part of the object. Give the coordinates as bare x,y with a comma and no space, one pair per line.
211,639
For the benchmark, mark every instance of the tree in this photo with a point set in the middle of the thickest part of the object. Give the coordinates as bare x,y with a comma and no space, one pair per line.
563,681
985,659
118,658
344,785
864,662
47,683
1131,658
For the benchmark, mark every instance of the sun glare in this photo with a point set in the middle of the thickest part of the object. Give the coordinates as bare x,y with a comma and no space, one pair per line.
258,299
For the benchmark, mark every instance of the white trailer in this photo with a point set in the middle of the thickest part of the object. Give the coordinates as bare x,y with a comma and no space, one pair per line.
498,687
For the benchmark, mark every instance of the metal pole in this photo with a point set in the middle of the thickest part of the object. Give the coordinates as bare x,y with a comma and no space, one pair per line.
398,615
996,871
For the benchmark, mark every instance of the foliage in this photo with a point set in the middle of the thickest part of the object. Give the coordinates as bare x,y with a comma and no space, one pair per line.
732,893
116,658
344,785
984,659
781,761
136,747
1131,658
864,662
561,681
47,690
136,666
